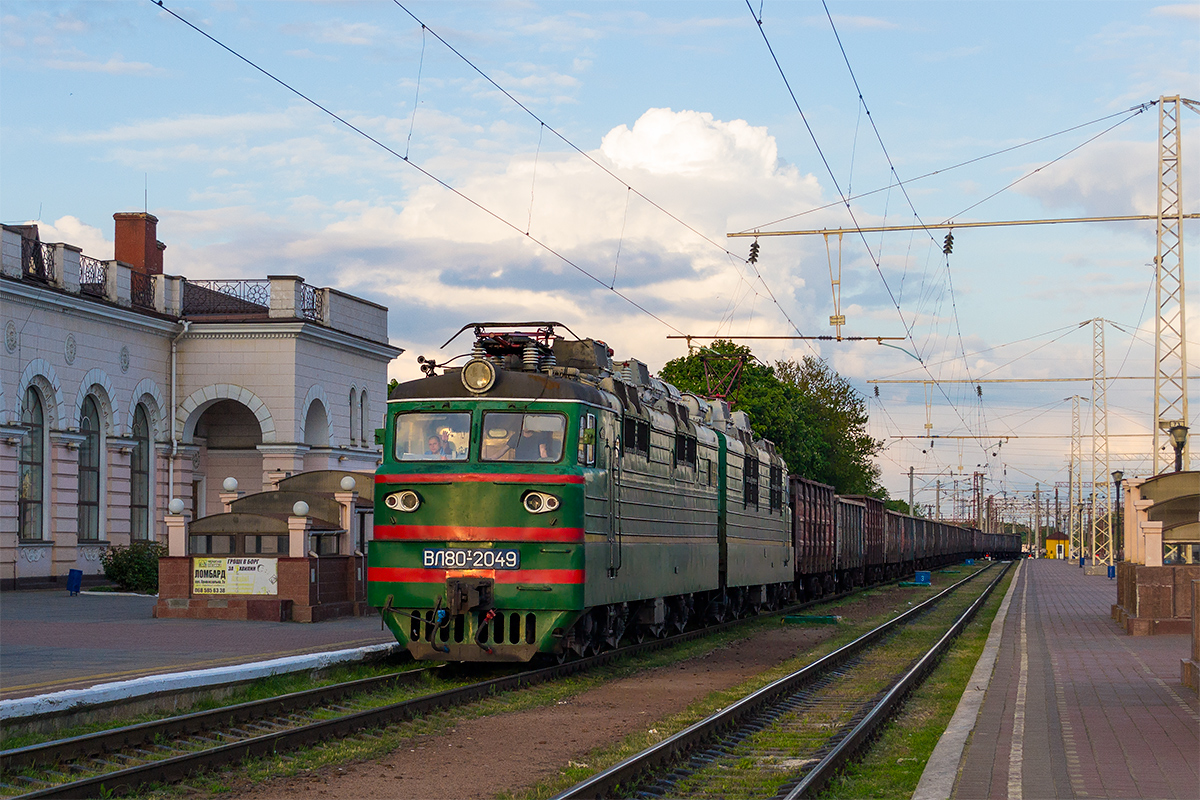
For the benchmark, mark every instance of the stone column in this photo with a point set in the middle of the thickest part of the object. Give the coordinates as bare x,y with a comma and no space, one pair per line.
177,535
1141,516
118,287
286,296
1153,540
66,267
347,501
298,528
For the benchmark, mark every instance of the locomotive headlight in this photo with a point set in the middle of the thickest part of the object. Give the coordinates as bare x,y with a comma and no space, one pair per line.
540,502
478,375
407,500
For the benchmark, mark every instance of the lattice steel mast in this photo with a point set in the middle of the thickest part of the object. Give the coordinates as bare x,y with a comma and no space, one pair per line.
1102,554
1074,489
1170,340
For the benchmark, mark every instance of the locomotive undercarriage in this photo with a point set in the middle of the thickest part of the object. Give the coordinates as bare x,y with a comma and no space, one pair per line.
603,627
509,635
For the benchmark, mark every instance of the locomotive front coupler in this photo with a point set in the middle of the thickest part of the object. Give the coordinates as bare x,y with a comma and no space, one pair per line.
468,594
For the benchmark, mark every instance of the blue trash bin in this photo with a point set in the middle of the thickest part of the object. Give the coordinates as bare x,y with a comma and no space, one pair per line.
1112,571
74,581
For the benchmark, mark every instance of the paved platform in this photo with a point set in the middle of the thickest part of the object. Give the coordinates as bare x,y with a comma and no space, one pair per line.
51,641
1076,708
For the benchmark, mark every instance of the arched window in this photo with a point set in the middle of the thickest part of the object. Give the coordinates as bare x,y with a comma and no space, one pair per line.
353,415
33,467
89,470
364,418
139,476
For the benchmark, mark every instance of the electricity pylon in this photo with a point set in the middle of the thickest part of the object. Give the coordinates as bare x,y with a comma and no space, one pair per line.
1102,554
1074,489
1170,339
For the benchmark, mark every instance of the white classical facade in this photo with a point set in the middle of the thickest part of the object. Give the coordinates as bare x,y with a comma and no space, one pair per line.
122,388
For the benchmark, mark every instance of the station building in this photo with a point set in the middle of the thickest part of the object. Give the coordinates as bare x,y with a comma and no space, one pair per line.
123,388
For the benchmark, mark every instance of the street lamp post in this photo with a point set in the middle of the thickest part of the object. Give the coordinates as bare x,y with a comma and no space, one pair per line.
1119,527
1178,439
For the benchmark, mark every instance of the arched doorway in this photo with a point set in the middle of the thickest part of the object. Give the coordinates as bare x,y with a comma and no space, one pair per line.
228,435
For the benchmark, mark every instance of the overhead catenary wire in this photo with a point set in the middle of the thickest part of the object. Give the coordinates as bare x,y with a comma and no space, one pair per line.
845,202
1133,111
417,167
594,162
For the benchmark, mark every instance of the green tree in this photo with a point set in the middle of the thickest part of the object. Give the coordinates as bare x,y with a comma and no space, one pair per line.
839,413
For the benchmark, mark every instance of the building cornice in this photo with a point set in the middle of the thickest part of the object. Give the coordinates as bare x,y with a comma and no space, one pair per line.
51,300
292,330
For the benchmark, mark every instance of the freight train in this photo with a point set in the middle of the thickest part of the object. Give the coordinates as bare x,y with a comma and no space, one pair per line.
544,499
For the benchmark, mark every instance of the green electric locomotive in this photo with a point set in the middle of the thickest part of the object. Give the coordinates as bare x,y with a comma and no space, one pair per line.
544,499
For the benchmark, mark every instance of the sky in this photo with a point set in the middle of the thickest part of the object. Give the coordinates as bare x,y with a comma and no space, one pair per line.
584,163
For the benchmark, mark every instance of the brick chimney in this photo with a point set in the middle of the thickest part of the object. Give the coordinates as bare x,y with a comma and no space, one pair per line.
137,242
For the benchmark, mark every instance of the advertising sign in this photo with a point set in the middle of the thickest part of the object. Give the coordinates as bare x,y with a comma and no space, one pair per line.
235,575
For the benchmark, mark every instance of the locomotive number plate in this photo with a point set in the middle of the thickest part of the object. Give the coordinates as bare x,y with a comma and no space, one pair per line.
461,558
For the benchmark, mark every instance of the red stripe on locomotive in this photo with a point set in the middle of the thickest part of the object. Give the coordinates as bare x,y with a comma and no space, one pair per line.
418,575
466,533
476,477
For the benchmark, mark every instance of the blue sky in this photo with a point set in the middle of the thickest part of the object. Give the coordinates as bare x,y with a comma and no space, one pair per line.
108,103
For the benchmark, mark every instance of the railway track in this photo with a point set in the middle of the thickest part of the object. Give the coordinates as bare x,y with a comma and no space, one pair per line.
788,739
165,751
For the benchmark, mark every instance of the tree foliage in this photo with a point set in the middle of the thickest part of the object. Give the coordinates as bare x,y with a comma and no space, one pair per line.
134,568
817,420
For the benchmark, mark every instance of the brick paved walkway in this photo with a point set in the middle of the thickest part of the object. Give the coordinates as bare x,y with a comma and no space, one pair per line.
51,641
1076,708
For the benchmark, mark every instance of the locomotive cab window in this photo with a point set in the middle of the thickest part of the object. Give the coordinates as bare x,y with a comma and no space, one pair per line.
422,436
512,436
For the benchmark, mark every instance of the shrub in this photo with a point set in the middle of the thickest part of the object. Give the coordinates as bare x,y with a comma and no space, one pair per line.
134,568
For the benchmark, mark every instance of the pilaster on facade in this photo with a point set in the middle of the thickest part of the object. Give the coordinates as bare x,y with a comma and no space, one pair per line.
64,499
117,477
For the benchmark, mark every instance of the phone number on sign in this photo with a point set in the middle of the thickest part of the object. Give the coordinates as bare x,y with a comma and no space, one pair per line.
472,559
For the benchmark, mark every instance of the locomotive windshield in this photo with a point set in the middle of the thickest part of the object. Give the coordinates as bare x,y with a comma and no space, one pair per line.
433,437
509,436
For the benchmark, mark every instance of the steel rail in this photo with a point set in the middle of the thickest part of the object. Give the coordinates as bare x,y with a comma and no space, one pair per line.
175,768
108,741
670,749
845,750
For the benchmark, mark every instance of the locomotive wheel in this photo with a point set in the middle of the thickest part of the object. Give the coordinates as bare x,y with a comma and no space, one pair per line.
678,612
580,641
616,619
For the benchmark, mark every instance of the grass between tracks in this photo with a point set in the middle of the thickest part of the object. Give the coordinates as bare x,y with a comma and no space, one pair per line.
892,767
904,751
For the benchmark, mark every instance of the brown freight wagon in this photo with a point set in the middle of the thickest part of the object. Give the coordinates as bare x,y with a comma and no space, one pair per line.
814,537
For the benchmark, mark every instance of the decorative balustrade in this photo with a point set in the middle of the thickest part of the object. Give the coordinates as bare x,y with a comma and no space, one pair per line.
226,297
93,276
141,290
37,260
312,303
